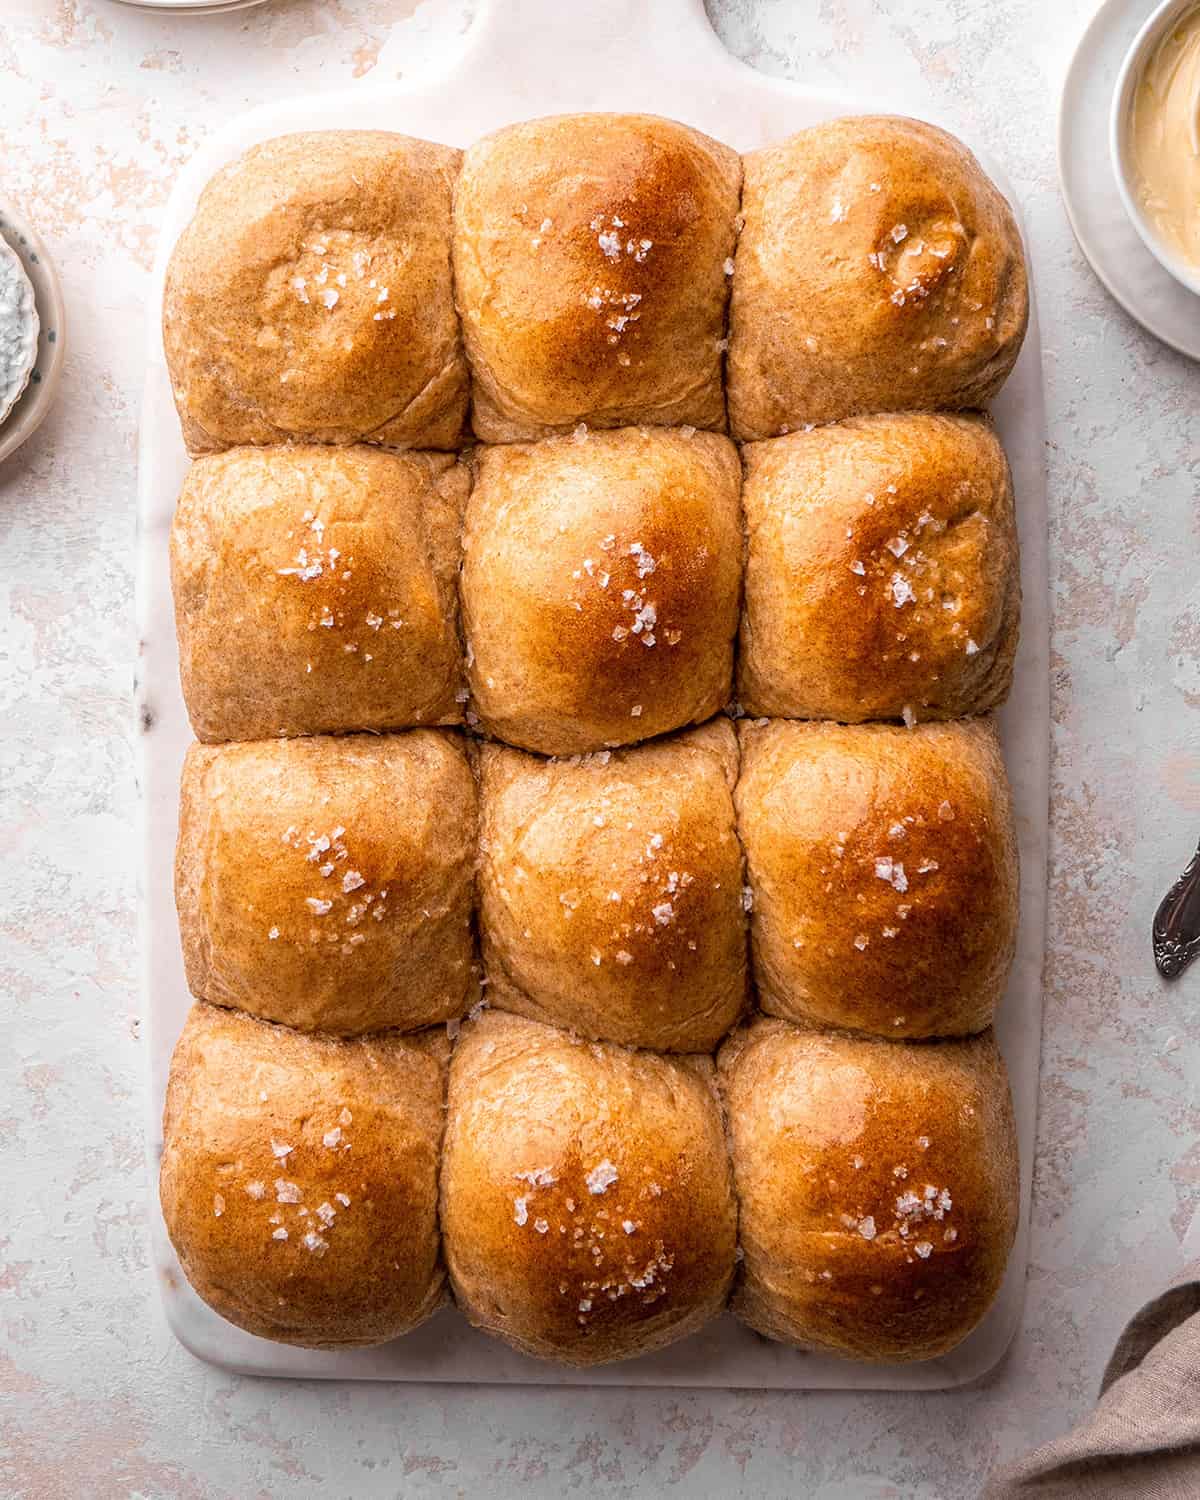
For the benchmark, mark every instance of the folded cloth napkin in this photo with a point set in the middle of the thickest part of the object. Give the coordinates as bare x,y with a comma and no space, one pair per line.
1143,1440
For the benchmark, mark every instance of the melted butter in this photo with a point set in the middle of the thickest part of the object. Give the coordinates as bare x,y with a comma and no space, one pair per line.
1164,134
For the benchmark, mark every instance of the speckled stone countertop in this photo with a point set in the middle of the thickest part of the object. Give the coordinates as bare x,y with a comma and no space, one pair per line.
100,106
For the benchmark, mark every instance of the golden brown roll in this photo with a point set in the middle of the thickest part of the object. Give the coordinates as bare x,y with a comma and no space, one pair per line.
591,261
879,270
586,1201
327,883
610,890
882,574
310,298
877,1187
316,590
600,586
299,1178
882,864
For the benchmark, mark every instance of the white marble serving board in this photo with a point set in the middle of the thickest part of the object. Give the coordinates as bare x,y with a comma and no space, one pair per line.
524,58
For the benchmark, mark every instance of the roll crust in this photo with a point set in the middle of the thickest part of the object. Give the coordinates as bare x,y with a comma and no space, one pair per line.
882,863
882,575
590,268
316,591
879,269
328,883
877,1188
299,1178
610,890
586,1200
600,588
310,297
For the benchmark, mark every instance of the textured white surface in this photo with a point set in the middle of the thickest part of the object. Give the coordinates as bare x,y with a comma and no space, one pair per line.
101,107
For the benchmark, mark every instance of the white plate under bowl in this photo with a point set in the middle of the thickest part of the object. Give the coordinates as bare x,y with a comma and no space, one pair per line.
524,58
1106,234
191,7
38,397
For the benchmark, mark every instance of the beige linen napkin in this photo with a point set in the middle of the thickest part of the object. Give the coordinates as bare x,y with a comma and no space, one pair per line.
1143,1440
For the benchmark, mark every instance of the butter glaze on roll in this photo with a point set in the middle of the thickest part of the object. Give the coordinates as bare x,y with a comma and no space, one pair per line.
879,269
882,572
299,1178
327,883
310,297
882,863
877,1188
591,260
586,1199
610,890
316,590
600,587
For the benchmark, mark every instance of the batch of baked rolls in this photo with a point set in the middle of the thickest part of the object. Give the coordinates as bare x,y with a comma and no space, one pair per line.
596,868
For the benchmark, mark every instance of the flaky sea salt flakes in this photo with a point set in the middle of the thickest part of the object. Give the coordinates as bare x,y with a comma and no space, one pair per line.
897,546
908,716
839,213
728,266
342,1199
521,1210
891,870
537,1177
623,957
279,1234
636,711
747,898
280,1149
287,1192
663,913
945,813
866,1227
857,567
273,933
351,881
541,1226
628,1226
927,867
317,907
862,941
315,1243
924,1249
256,1190
901,590
601,1177
971,648
332,1137
923,1142
218,1205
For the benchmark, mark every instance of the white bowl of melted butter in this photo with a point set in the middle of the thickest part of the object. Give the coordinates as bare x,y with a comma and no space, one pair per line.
1155,137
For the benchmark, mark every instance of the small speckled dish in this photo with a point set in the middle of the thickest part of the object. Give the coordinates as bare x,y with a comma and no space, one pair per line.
29,412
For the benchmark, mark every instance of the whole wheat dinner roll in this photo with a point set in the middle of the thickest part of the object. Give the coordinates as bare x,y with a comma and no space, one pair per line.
591,262
327,883
879,270
316,590
310,297
610,890
877,1187
586,1200
299,1177
600,586
882,574
882,864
